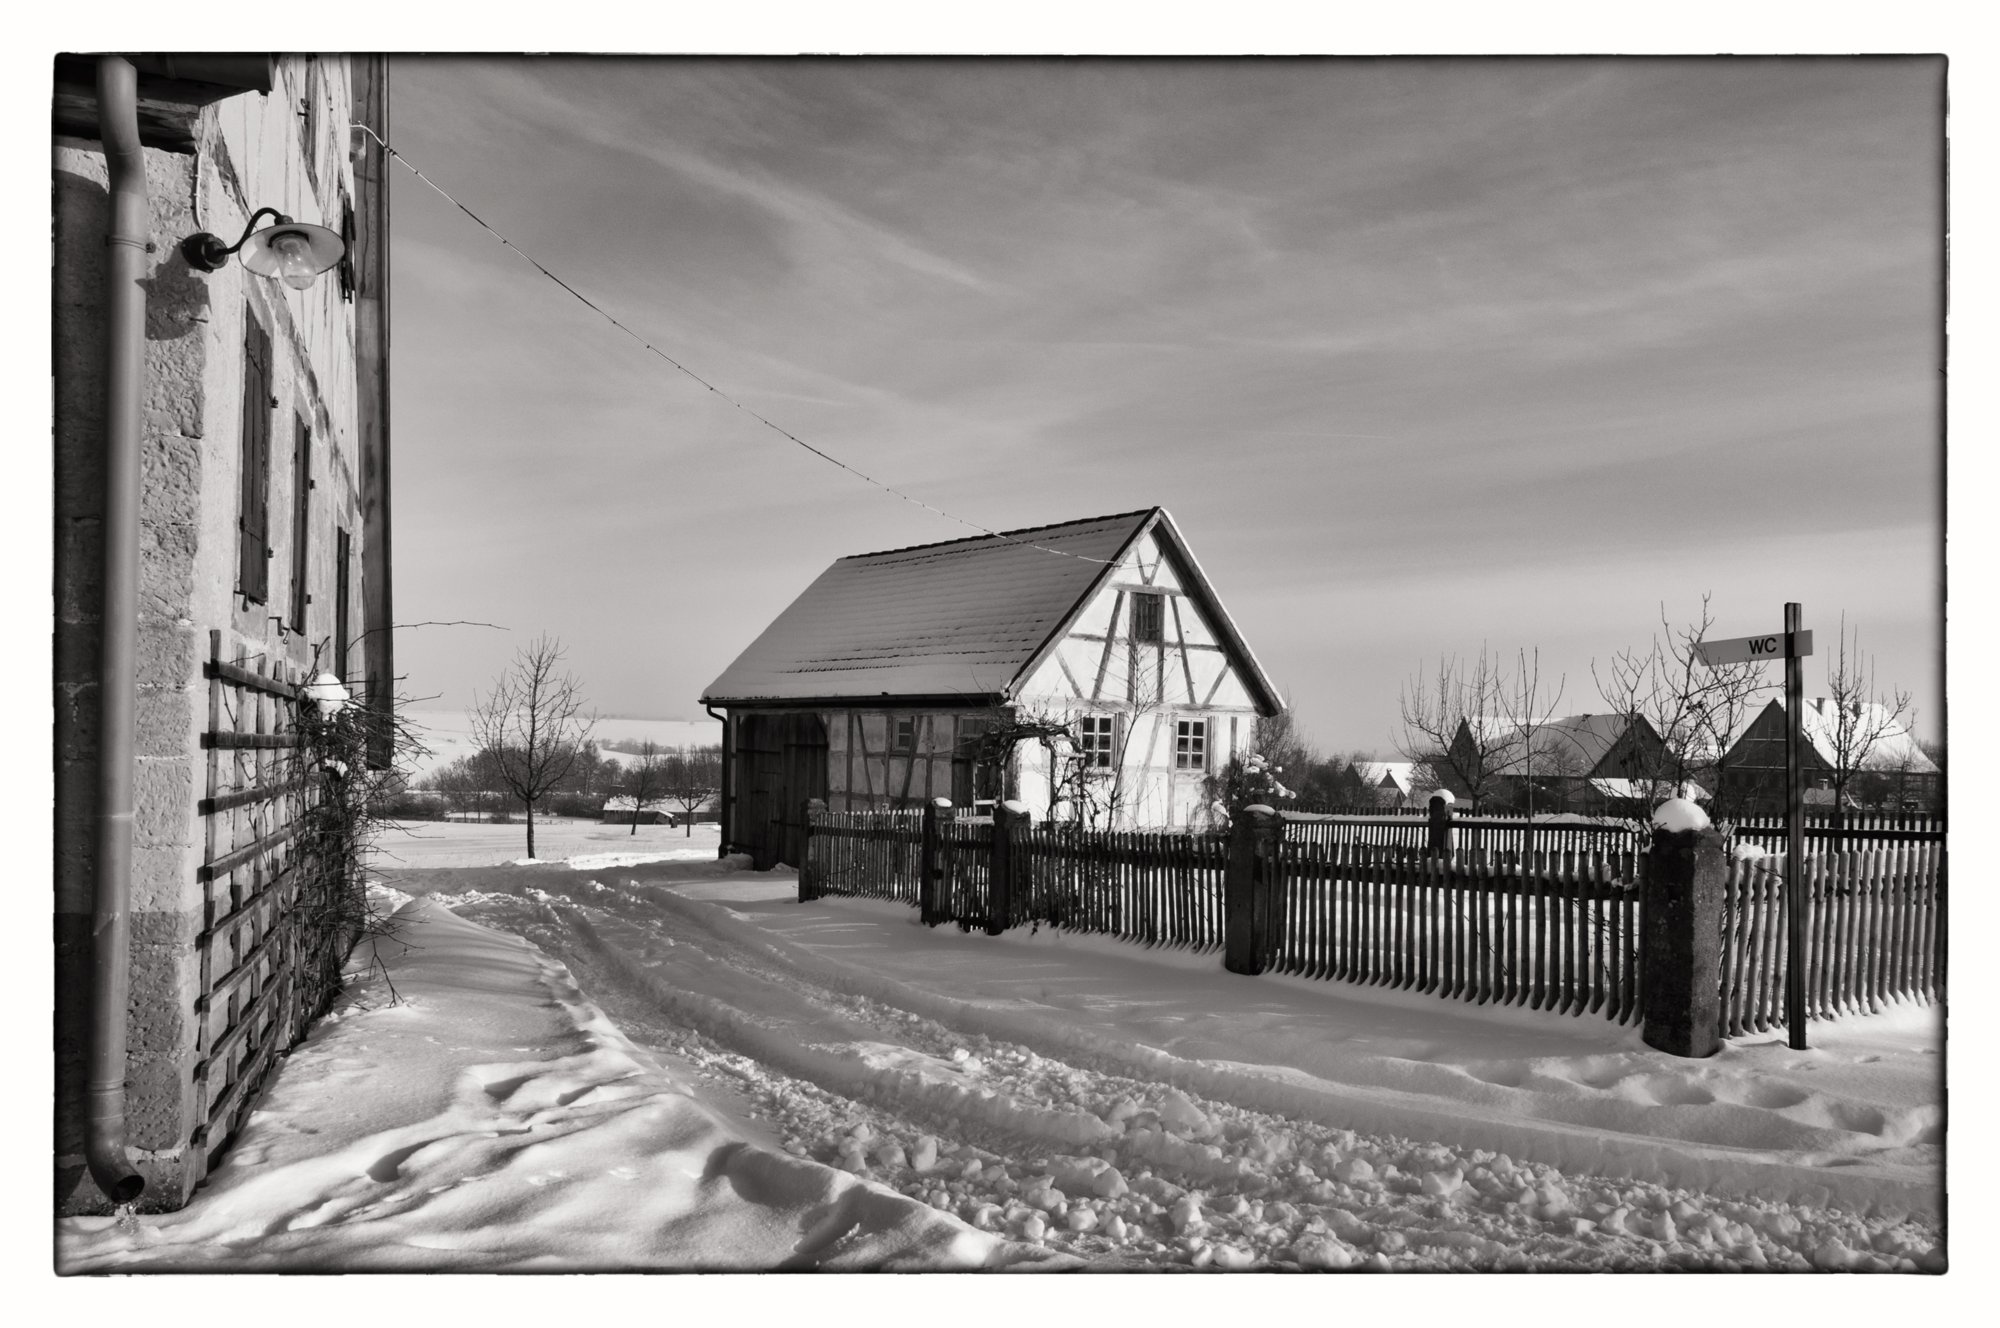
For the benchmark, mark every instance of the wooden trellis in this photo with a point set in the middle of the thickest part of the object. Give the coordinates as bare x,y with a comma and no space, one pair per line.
252,1003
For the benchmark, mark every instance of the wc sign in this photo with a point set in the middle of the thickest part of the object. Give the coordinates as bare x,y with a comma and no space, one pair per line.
1751,649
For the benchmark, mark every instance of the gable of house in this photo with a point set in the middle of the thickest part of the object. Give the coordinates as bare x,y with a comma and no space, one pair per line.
1151,635
1761,747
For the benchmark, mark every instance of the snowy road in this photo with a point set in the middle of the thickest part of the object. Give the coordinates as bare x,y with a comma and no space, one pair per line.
993,1082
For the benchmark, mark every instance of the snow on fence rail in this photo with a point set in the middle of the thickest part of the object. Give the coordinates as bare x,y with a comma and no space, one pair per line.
1561,933
1500,834
1856,830
1875,933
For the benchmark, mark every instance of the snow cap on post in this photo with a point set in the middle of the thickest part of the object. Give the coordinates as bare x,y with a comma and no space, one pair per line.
1445,794
328,693
1019,808
1679,814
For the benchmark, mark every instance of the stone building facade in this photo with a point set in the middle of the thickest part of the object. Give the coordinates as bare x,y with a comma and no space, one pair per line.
263,552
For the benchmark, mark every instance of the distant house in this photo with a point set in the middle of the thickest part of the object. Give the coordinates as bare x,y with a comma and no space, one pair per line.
1575,761
1087,668
1894,769
1386,783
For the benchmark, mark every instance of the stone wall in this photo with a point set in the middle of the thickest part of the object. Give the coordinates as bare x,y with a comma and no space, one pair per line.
250,154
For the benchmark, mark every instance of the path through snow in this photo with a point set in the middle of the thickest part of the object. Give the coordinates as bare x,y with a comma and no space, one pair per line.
1141,1108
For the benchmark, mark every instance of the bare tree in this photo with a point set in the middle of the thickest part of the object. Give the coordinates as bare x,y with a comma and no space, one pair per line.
646,780
533,722
1527,718
1449,723
1696,710
692,776
1862,715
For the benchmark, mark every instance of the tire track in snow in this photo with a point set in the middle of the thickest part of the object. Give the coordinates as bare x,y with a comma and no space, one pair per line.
1211,1182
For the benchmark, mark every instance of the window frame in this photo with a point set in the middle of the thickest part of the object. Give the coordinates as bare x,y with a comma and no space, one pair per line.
1191,744
1098,737
903,733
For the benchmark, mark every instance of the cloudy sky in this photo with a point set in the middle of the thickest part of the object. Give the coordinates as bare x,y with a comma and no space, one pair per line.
1420,354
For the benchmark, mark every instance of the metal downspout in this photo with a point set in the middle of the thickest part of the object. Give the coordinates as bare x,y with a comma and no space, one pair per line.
117,685
728,802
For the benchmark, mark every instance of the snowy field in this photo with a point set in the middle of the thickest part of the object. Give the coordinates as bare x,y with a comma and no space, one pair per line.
1125,1108
447,735
420,844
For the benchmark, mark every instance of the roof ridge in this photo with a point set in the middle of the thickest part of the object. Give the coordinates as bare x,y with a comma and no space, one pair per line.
998,534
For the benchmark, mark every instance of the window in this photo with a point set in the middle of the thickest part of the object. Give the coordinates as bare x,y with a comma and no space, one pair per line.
1096,738
301,517
1148,617
906,733
253,519
1191,744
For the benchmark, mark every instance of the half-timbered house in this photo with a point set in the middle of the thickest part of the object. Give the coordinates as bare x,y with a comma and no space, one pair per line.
1087,668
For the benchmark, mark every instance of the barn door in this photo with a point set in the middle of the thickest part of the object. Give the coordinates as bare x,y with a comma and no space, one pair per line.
780,762
805,748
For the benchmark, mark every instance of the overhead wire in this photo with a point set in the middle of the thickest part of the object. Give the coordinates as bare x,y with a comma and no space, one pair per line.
612,319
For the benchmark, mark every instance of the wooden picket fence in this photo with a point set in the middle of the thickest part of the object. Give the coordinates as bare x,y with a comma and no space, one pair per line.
864,855
1153,888
1506,835
1560,933
1875,934
1857,831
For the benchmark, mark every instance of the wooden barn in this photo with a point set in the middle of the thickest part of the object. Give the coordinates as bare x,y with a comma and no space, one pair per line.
1087,668
1576,759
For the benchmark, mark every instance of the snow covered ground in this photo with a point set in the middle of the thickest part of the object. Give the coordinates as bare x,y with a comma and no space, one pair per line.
1081,1097
489,1117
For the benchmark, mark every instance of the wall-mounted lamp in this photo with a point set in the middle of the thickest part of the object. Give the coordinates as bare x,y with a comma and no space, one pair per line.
294,252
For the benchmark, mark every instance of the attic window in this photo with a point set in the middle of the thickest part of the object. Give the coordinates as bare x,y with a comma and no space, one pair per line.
906,733
1148,617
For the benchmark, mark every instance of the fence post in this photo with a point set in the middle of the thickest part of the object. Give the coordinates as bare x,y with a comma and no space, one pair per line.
1247,888
1682,941
809,883
1009,819
1438,844
930,873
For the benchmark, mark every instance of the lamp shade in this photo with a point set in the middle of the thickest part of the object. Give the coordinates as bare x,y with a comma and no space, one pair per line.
294,252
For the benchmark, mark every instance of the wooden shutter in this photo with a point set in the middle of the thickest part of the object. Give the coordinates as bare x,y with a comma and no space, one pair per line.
301,516
253,522
343,552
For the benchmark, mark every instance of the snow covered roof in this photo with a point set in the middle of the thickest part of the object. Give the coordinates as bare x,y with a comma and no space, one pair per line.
964,620
1642,788
1819,723
1399,775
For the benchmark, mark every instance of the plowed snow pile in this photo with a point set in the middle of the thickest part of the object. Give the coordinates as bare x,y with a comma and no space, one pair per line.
494,1119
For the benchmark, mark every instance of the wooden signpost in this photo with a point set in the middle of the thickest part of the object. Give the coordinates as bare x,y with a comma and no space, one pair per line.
1792,645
